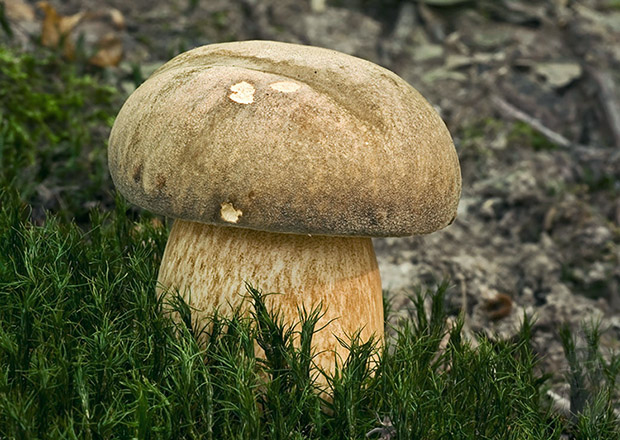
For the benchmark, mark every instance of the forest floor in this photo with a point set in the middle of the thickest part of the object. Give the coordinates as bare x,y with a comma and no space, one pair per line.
530,92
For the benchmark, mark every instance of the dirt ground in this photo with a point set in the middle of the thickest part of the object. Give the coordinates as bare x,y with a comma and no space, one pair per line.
530,92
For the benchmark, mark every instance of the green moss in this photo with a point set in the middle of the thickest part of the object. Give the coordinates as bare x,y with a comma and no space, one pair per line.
472,142
613,4
54,124
525,134
597,181
220,20
87,352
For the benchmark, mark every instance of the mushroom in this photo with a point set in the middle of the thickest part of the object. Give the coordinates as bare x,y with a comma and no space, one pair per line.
279,162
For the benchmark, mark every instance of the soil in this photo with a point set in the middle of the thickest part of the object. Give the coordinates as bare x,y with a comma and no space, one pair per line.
530,92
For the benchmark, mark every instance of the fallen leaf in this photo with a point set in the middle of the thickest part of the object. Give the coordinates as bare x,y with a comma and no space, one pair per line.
111,16
18,10
97,31
110,51
117,18
498,307
56,29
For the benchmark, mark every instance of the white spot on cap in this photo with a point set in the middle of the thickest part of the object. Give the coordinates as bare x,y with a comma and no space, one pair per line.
285,86
229,213
242,92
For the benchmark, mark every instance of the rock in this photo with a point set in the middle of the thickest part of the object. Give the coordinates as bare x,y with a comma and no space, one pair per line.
558,74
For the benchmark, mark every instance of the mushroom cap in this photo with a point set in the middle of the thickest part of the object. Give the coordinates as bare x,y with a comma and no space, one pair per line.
285,138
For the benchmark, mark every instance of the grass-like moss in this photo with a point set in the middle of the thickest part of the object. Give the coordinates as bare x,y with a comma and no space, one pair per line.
54,123
86,351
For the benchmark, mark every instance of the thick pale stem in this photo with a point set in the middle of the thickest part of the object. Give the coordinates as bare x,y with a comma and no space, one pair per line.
213,262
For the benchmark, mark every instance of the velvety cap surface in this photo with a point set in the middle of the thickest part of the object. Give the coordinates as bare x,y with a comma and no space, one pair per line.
285,138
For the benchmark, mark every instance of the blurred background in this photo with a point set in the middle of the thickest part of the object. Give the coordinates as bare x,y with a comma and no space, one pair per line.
528,88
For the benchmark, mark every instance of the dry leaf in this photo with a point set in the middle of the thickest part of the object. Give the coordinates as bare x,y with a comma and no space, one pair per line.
110,51
18,10
50,35
60,31
56,29
111,16
498,307
117,18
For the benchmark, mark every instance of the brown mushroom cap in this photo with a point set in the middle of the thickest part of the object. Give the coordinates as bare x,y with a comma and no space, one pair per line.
285,138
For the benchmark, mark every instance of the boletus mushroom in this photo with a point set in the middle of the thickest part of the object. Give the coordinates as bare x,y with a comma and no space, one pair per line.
279,162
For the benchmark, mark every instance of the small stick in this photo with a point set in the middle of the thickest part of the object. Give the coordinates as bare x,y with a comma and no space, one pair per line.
584,152
517,114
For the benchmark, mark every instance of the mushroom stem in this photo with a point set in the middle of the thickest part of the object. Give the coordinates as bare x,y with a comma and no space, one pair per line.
341,273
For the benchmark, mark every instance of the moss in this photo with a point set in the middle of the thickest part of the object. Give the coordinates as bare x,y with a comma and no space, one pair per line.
54,123
525,134
87,352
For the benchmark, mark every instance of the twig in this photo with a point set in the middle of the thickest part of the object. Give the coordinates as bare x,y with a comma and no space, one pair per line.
584,152
517,114
386,430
